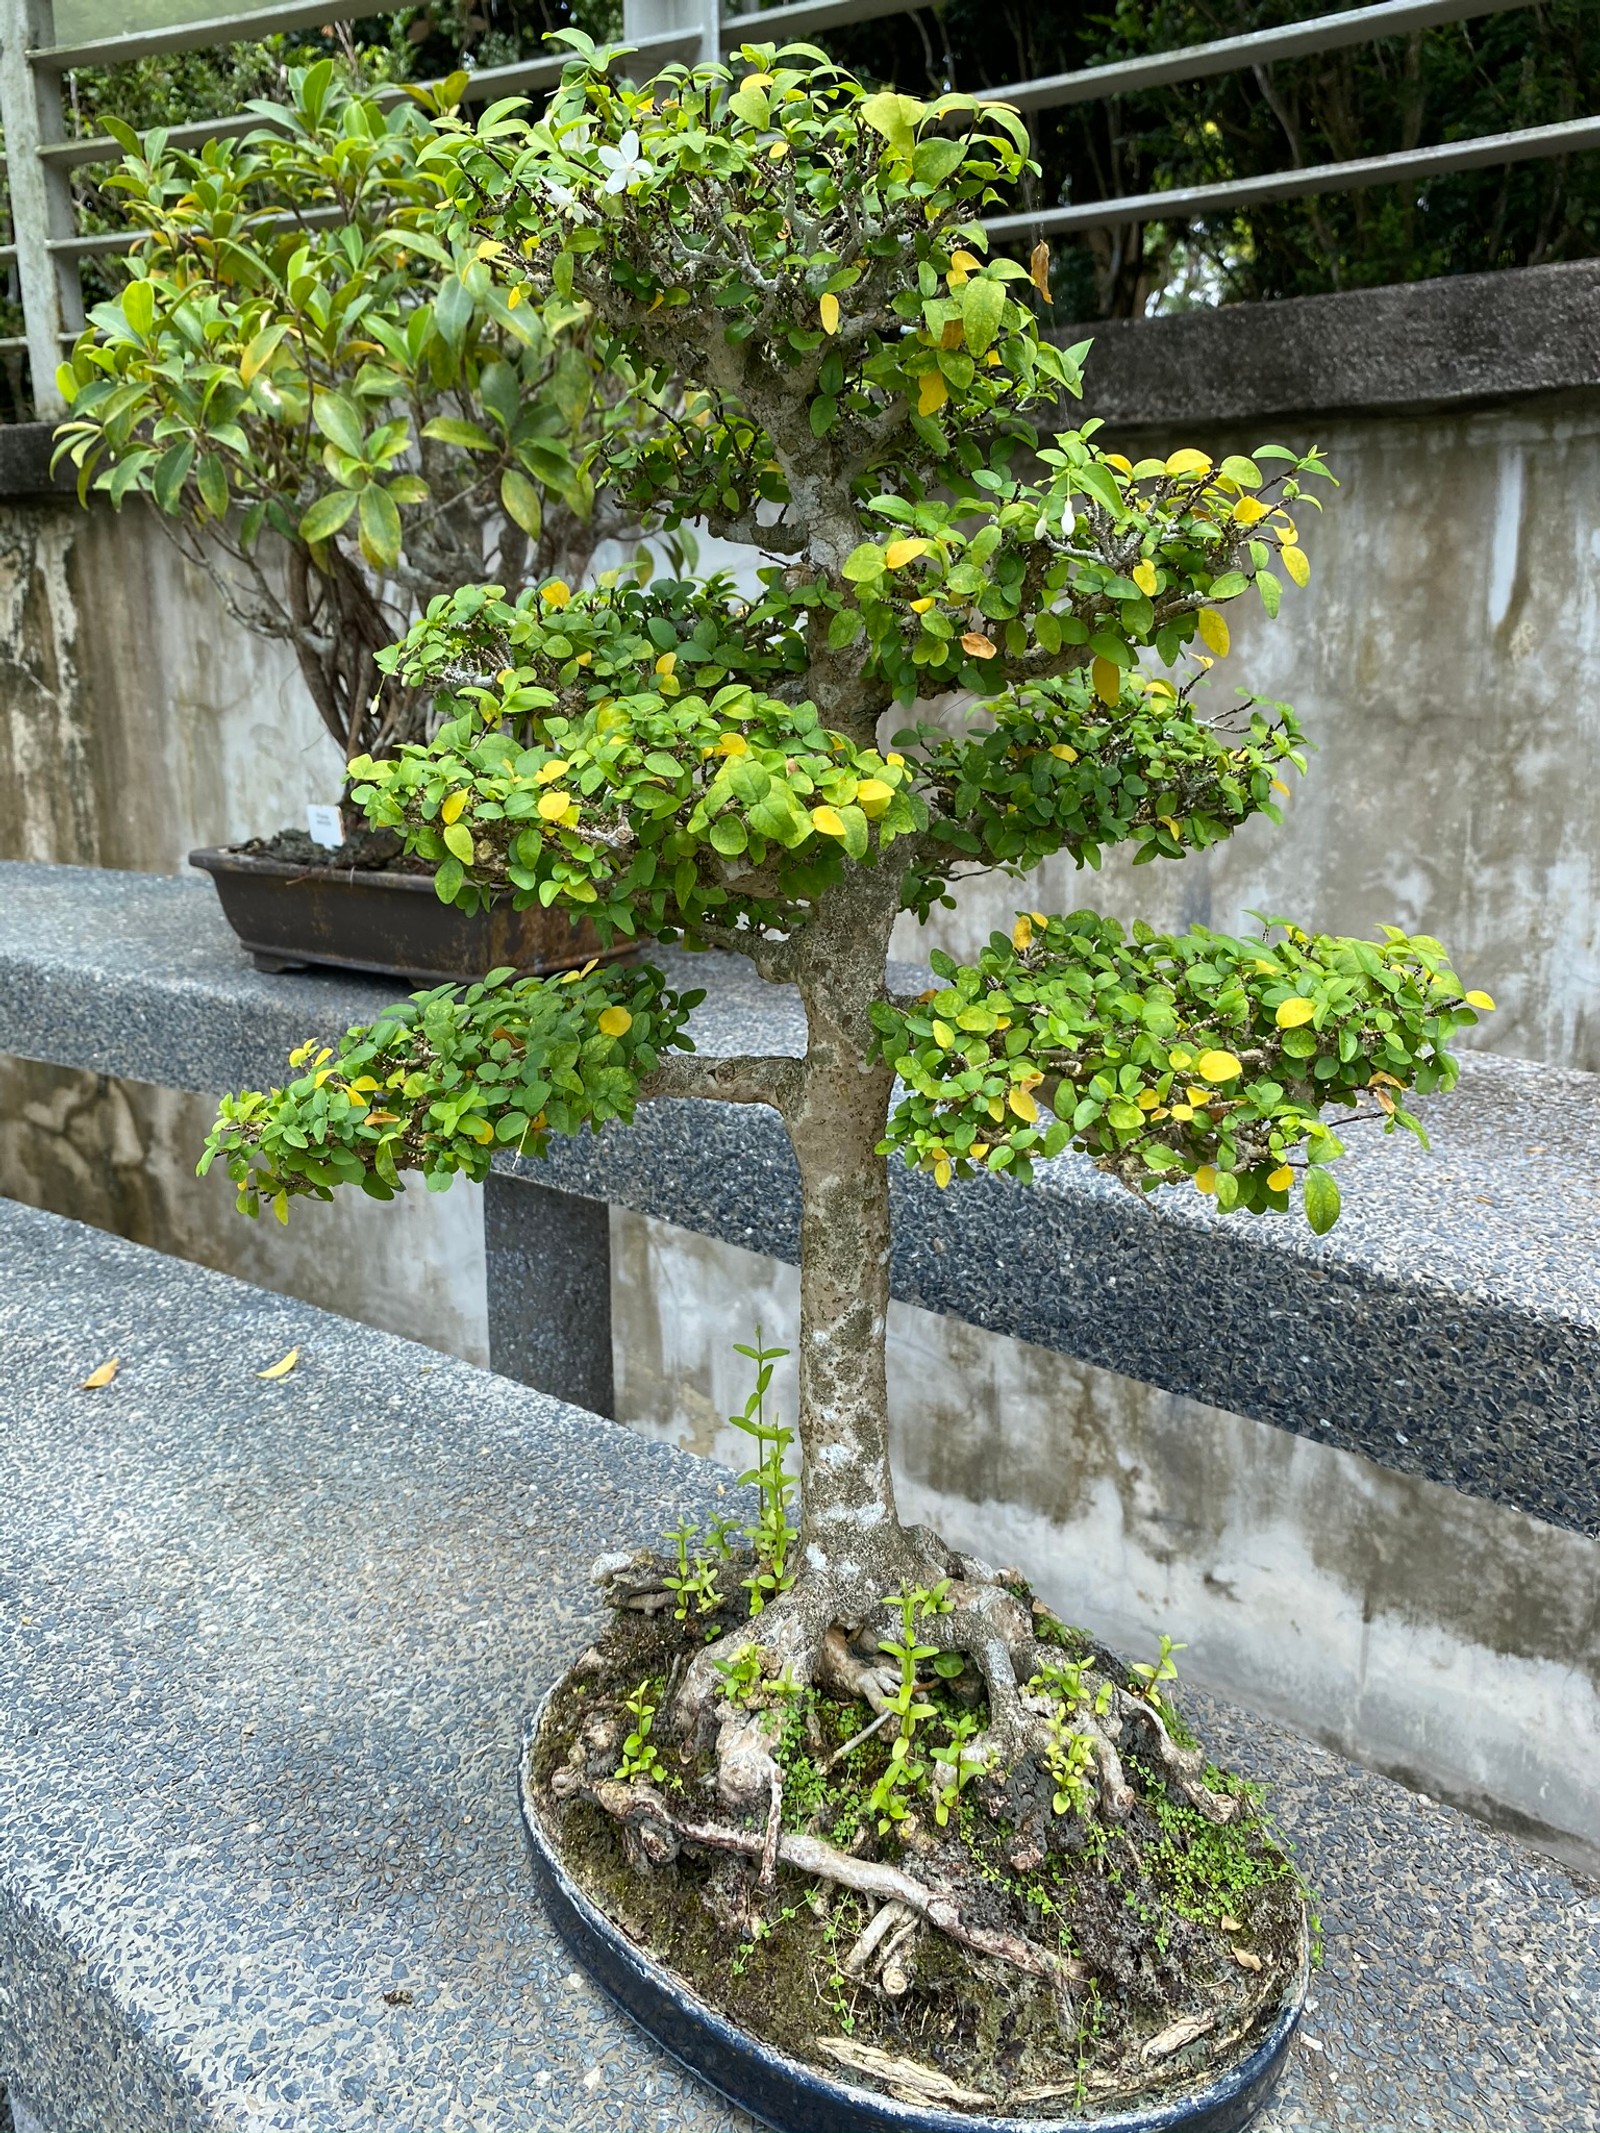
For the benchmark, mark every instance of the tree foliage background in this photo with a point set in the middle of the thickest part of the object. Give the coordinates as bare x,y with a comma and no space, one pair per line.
1527,67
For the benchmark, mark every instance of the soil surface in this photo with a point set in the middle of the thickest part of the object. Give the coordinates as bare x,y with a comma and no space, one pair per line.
365,851
1181,1937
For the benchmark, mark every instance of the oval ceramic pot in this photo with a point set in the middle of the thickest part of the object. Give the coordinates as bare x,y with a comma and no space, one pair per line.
794,2098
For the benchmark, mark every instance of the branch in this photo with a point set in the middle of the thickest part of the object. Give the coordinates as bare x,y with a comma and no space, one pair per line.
775,960
739,1080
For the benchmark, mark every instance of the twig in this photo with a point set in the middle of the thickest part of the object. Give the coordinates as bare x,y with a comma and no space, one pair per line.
769,1850
866,1733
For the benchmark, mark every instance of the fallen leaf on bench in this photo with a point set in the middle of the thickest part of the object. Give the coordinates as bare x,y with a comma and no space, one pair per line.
1176,2035
282,1368
102,1376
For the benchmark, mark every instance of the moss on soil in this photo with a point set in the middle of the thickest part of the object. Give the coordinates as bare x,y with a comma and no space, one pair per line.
1166,1912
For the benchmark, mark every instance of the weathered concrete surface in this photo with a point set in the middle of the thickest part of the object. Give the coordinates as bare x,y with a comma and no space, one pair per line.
137,719
1415,345
1445,659
1447,1641
120,1155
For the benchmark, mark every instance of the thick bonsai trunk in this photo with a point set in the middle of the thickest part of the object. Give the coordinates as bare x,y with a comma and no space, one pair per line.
847,1492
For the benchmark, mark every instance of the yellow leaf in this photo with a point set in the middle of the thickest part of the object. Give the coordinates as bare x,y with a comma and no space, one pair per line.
1039,268
454,804
1277,786
977,646
1214,632
1291,1013
1188,461
873,796
966,262
1297,563
777,152
932,392
1066,754
554,804
616,1022
920,607
1218,1066
1170,822
667,663
1144,576
1179,1056
1023,1104
828,820
941,1172
1183,1111
1205,1178
1147,1100
556,594
548,771
943,1035
282,1367
491,248
514,297
829,308
899,553
478,1129
103,1376
1281,1179
1479,1000
1107,679
1022,933
1249,509
733,744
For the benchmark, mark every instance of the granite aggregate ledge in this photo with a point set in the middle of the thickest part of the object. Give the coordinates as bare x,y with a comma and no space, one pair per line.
266,1653
1448,1327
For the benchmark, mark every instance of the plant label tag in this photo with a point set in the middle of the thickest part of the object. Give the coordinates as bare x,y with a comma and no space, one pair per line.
324,825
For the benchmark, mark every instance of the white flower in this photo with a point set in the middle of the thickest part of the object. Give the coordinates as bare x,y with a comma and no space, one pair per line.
626,165
561,196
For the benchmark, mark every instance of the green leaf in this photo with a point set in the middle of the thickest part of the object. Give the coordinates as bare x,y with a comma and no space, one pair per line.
983,304
450,429
895,117
458,842
339,420
1229,586
213,484
172,471
380,527
1322,1200
864,564
935,160
327,515
447,880
521,500
1271,592
728,836
139,306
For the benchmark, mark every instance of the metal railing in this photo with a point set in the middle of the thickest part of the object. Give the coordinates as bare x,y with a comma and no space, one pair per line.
46,246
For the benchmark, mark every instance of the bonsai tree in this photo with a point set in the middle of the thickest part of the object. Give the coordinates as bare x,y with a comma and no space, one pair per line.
338,412
859,392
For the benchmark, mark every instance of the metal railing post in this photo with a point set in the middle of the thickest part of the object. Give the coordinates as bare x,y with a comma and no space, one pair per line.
41,197
651,18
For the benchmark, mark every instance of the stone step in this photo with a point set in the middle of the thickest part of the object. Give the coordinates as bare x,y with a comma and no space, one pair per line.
269,1647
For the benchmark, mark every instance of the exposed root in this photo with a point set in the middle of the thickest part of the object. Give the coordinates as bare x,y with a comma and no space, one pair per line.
1181,1766
903,2077
870,1948
640,1807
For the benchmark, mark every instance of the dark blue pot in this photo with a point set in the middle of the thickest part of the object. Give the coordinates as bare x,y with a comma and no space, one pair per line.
792,2098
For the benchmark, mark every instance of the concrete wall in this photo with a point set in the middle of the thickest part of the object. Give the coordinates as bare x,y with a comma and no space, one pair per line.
137,719
1445,659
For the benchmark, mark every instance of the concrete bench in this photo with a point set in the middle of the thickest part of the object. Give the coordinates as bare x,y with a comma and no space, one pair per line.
1381,1442
268,1651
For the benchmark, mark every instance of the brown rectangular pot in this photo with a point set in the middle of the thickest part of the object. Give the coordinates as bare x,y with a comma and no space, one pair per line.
289,916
